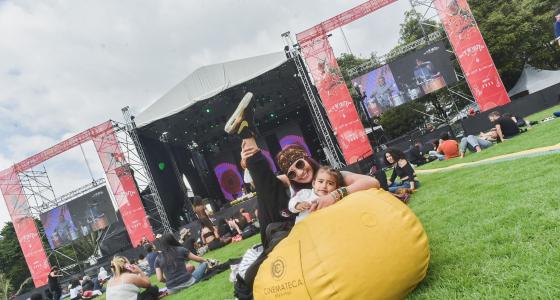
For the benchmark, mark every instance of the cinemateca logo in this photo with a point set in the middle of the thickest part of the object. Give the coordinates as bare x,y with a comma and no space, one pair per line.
278,268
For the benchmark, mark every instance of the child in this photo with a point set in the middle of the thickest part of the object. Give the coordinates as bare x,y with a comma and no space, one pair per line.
326,180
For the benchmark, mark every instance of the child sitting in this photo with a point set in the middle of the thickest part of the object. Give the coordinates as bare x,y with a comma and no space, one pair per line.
326,181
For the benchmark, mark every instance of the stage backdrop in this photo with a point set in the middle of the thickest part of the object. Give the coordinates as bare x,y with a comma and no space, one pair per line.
291,134
228,175
472,53
414,75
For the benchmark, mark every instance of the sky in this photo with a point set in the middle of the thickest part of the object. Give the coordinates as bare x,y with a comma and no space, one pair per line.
69,65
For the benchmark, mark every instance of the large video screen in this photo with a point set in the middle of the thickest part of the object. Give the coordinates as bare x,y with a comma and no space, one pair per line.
90,212
412,76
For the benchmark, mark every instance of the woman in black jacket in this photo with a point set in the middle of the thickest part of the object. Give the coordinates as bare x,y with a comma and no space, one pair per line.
401,168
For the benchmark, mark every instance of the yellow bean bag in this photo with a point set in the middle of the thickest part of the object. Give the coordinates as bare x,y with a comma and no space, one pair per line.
367,246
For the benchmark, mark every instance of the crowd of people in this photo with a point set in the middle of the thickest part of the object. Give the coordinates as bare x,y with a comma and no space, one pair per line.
302,187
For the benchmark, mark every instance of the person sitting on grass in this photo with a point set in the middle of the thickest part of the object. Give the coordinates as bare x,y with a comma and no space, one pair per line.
75,289
505,127
209,235
143,264
401,168
246,215
447,146
416,154
171,265
127,281
474,144
326,181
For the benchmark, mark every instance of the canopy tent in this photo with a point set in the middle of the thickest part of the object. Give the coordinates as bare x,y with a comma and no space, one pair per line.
533,80
206,82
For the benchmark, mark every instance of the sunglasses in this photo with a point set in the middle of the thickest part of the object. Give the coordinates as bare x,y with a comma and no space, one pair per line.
300,164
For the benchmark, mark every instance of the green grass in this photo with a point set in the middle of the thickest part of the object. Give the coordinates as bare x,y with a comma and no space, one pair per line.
541,135
493,231
219,286
493,228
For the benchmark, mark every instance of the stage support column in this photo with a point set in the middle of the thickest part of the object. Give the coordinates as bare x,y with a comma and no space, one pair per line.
122,183
473,55
25,227
346,124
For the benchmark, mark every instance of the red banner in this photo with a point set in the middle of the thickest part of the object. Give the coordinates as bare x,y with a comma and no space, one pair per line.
472,53
340,108
122,184
24,225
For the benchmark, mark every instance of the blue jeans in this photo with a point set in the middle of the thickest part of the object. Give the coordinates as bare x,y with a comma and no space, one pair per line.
197,274
471,142
402,185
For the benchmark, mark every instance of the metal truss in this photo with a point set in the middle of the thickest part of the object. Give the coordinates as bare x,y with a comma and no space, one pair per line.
321,126
135,156
37,189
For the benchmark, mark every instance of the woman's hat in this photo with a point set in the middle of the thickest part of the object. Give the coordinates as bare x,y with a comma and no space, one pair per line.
289,156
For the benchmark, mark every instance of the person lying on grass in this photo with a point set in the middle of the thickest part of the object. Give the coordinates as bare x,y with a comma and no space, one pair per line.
327,180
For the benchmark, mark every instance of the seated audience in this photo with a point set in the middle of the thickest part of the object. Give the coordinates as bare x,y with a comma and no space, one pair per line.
246,215
447,146
505,126
473,143
416,154
401,168
75,289
187,240
143,264
151,258
433,154
127,281
209,235
102,276
87,284
171,266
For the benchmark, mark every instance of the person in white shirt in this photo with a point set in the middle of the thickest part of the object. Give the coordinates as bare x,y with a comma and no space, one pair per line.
327,180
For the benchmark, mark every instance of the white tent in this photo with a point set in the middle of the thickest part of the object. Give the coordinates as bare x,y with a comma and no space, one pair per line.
534,80
208,81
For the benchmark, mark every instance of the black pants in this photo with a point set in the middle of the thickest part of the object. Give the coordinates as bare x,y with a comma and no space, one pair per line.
272,200
151,293
271,194
56,294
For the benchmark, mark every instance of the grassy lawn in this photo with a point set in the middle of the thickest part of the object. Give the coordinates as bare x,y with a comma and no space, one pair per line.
493,228
541,135
493,231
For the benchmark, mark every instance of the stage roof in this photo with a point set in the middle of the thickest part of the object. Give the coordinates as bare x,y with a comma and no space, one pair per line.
206,82
533,80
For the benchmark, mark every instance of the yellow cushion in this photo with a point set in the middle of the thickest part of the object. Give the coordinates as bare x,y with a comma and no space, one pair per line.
367,246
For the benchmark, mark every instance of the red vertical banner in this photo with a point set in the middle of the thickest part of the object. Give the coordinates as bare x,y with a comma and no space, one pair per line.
122,183
472,53
25,227
344,118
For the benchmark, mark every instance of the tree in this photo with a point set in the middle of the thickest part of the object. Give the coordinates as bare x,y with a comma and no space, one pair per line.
5,287
517,32
12,262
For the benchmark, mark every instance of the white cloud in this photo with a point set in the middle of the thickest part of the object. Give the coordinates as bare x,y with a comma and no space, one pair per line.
70,65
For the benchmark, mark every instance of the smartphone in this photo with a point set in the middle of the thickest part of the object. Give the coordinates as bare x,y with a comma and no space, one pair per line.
129,267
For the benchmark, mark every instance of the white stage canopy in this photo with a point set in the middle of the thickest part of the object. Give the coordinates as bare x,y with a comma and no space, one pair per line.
534,80
206,82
